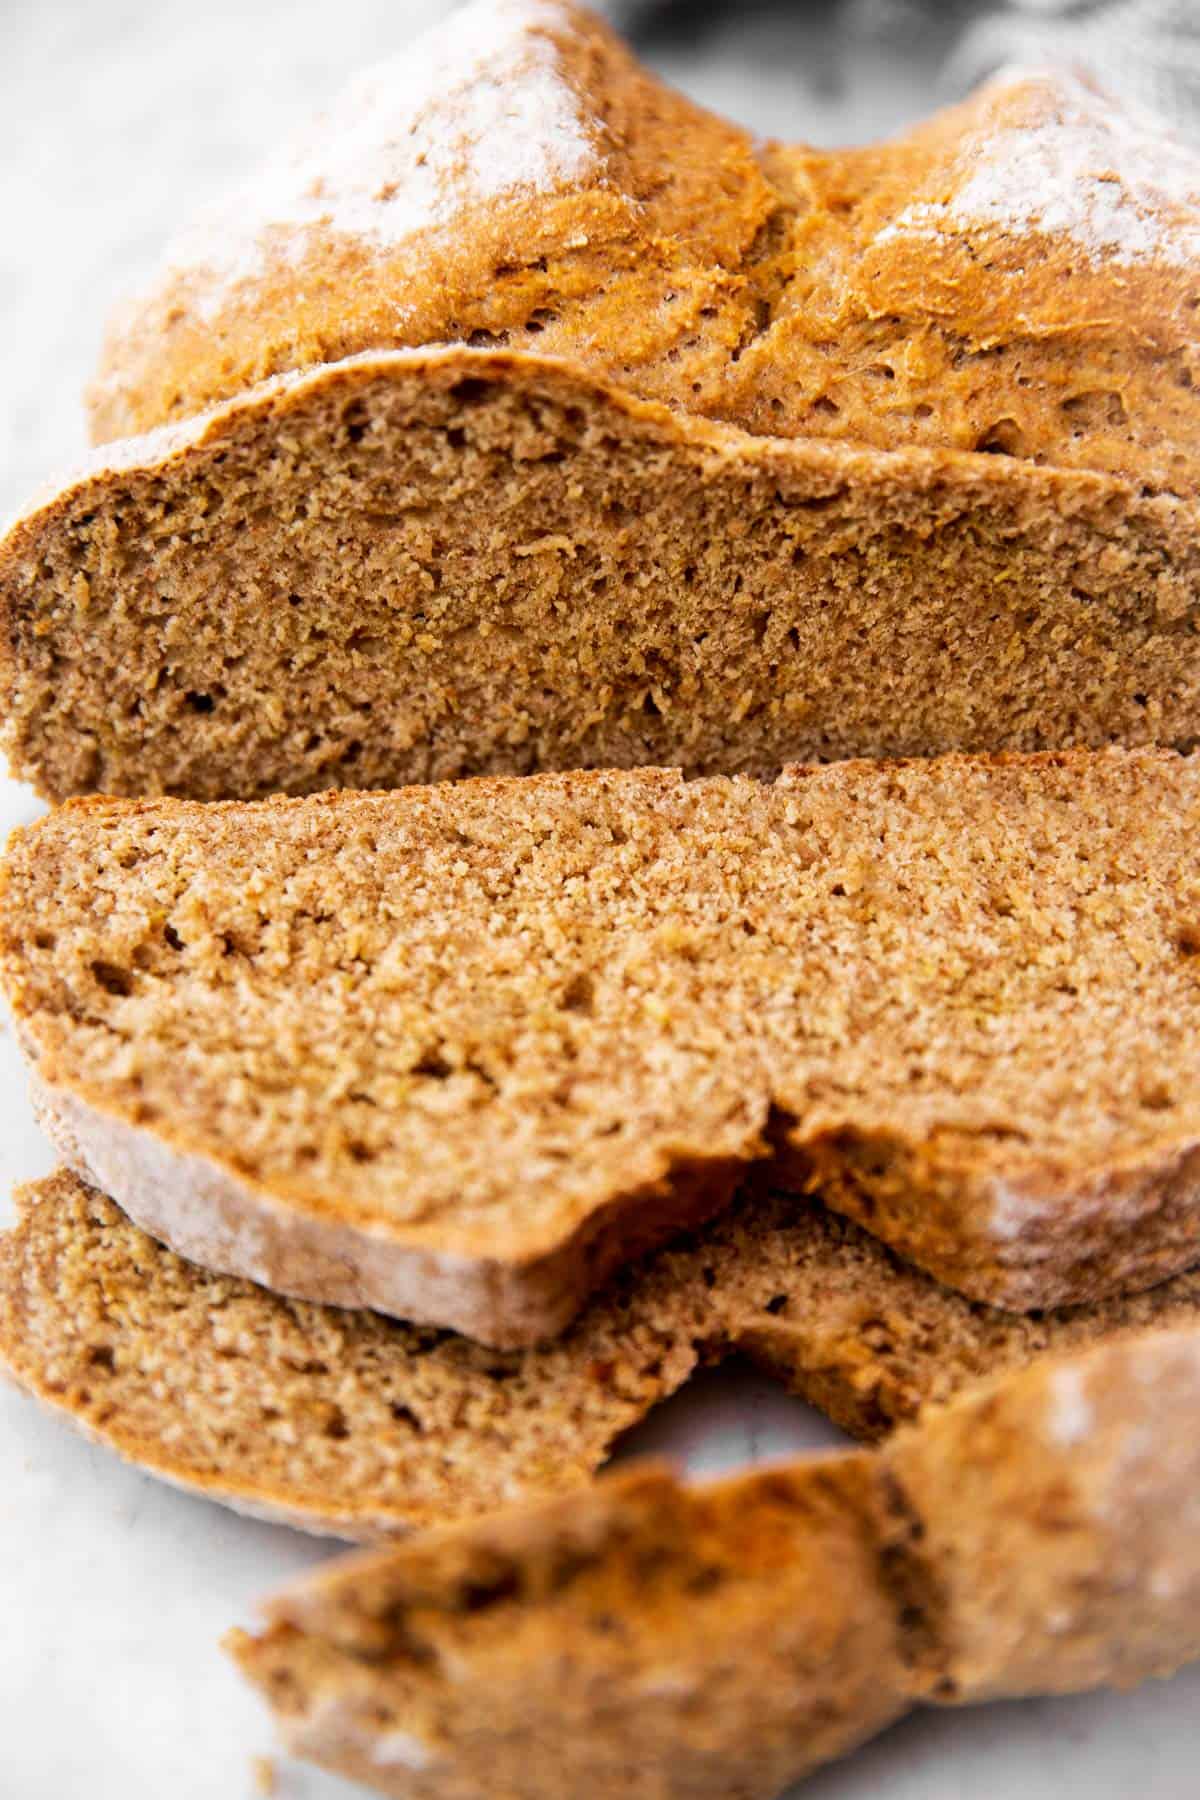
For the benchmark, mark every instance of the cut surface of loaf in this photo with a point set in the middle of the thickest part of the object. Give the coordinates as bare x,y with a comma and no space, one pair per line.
360,1426
560,424
1016,275
1041,1535
419,565
456,1052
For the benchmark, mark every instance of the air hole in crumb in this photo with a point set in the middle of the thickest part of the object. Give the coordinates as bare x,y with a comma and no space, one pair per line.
456,437
579,993
114,980
200,703
44,940
404,1415
750,928
1004,438
1139,700
353,751
335,1425
1094,409
776,1304
823,404
1188,941
100,1356
173,938
922,410
431,1062
358,1151
469,392
650,706
477,1596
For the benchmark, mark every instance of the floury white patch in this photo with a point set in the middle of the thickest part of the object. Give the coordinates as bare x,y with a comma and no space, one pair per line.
476,112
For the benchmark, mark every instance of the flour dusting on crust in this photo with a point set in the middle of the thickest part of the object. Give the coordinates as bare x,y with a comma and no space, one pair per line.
1088,169
1073,1417
476,111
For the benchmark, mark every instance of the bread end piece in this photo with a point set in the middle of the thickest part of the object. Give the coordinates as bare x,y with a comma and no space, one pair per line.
1042,1536
643,1639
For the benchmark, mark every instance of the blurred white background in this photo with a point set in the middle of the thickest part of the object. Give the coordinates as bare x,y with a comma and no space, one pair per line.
116,120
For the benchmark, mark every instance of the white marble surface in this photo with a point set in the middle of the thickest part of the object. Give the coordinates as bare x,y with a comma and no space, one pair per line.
115,118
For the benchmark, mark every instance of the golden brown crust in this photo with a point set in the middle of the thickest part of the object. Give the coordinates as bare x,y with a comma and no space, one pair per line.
1039,1536
359,1426
1061,1523
612,1603
460,1050
1016,275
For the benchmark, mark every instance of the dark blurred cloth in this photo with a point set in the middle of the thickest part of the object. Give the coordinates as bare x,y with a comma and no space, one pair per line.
1147,51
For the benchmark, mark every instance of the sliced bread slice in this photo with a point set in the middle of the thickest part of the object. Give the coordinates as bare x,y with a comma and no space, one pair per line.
455,1053
420,565
1039,1536
360,1426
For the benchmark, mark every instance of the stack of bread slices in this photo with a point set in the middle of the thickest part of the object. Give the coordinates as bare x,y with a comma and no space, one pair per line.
621,697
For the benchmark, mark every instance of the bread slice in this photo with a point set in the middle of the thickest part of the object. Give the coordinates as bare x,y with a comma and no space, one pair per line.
348,1423
730,454
1040,1535
455,1053
415,566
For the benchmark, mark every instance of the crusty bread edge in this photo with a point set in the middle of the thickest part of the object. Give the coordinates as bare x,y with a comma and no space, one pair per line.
259,1504
206,1213
1048,1238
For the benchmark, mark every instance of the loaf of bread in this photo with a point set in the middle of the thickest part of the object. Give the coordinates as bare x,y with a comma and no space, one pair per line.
1041,1535
1014,276
360,1426
560,424
456,1052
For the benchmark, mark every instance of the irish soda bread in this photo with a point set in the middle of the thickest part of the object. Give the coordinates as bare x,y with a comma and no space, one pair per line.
455,1052
1041,1535
1015,276
731,454
362,1426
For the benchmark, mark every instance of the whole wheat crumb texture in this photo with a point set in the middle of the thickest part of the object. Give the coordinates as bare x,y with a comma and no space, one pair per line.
1039,1536
561,424
456,1052
354,1424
